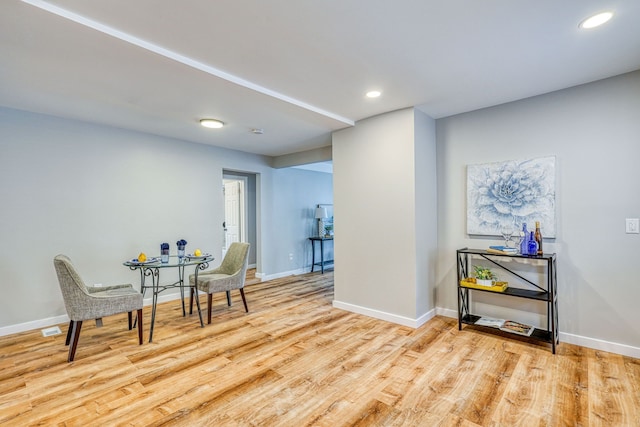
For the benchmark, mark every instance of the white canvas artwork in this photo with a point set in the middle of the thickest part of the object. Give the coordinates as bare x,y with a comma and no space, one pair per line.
511,193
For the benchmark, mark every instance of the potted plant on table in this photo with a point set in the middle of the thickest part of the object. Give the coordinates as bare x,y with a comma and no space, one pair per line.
484,275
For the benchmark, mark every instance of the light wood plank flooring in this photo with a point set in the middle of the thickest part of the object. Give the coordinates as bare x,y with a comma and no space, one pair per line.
293,360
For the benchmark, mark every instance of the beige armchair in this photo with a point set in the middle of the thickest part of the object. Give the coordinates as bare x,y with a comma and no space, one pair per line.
230,275
87,302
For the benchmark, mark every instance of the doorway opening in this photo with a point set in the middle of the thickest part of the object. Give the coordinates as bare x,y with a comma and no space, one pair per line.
239,190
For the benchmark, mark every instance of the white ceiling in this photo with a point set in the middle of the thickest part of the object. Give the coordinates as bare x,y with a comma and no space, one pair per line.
297,69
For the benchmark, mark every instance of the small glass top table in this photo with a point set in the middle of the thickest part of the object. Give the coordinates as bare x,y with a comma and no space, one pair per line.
151,268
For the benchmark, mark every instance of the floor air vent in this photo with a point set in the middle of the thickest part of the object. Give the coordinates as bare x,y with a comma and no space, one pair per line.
54,330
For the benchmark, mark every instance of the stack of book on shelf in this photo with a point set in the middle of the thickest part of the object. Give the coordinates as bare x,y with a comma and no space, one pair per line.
506,325
503,250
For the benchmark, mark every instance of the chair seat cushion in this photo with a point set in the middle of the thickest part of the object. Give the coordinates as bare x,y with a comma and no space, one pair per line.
115,292
107,303
211,283
94,289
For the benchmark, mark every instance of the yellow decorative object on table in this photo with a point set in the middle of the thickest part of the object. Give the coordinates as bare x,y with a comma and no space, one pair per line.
197,252
470,282
142,257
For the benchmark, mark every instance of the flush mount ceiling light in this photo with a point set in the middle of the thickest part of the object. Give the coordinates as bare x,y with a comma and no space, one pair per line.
257,131
211,123
373,94
596,20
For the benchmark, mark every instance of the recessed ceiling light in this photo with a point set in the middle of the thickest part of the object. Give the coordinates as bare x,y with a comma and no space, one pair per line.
211,123
596,20
373,94
257,131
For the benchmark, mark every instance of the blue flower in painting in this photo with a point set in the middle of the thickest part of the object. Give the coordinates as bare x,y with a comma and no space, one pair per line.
511,193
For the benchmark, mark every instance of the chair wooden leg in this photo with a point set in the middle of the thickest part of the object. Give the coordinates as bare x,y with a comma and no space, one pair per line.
244,300
139,325
69,333
209,307
129,315
229,298
77,325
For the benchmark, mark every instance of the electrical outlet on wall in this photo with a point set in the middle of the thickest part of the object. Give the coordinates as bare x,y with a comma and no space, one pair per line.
632,225
290,257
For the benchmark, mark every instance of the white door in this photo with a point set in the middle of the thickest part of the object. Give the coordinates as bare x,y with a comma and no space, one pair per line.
233,212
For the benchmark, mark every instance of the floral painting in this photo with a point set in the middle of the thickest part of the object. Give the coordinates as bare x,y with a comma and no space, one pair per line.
510,193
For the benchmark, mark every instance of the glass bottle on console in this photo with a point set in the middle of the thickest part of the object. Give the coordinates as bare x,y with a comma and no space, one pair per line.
532,245
524,240
538,236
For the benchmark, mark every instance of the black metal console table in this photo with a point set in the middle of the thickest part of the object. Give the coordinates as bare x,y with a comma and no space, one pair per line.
548,293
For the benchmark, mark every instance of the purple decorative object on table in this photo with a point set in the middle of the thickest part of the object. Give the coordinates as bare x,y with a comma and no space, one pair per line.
181,244
164,252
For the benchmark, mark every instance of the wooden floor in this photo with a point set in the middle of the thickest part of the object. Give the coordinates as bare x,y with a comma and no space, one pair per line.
296,361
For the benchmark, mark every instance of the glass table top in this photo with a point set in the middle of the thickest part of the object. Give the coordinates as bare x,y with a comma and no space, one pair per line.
174,261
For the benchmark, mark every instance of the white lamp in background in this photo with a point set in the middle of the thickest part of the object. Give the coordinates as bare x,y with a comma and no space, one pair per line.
321,214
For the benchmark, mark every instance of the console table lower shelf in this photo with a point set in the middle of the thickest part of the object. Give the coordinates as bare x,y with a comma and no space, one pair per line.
537,334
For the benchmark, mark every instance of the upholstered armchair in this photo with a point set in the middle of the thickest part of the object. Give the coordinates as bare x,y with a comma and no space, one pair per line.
229,276
88,302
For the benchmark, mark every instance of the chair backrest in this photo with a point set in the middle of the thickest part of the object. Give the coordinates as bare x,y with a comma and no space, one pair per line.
74,291
237,258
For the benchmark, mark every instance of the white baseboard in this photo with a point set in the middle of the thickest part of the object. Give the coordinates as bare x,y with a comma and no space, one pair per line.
446,312
597,344
389,317
35,324
57,320
264,277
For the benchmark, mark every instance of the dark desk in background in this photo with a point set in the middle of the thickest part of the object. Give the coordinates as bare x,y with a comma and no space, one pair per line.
322,262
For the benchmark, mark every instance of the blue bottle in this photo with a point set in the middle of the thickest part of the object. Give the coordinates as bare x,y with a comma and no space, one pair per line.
532,245
524,243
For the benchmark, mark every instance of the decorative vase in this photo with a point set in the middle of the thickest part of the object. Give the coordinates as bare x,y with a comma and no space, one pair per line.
484,282
164,253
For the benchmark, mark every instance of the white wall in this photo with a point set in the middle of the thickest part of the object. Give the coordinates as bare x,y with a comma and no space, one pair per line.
102,195
593,130
377,197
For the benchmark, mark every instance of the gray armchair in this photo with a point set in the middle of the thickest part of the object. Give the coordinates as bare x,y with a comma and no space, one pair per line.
230,275
87,302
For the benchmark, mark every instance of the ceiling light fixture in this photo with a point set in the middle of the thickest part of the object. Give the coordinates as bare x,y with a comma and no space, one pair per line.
373,94
596,20
211,123
257,131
